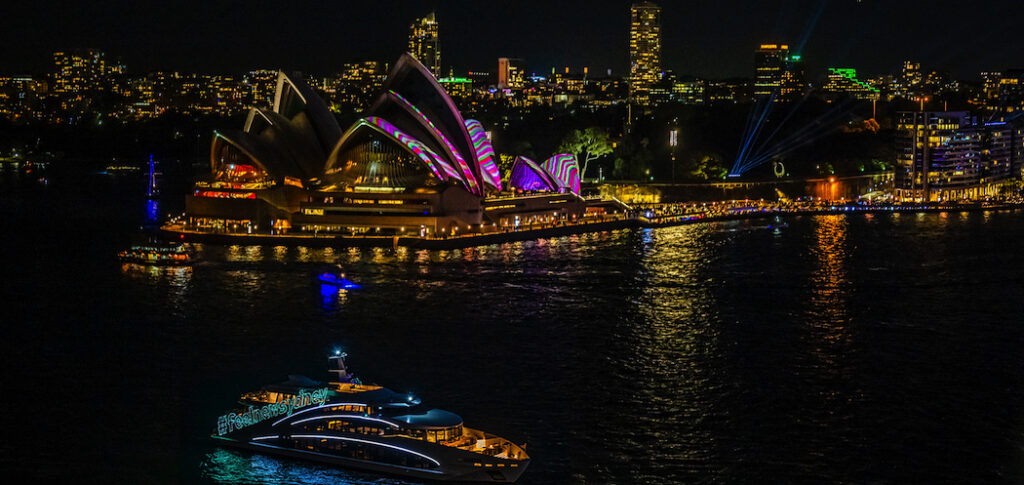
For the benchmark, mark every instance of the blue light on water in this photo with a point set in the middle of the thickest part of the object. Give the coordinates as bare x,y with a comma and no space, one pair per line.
152,211
328,290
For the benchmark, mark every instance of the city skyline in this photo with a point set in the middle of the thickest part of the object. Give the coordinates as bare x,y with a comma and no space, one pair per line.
866,35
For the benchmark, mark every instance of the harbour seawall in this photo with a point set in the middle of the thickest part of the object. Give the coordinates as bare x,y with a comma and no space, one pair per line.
826,188
178,233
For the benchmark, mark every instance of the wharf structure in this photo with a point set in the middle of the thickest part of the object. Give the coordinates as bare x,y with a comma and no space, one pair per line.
411,167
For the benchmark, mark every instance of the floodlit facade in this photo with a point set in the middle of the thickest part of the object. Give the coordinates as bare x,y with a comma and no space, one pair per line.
411,166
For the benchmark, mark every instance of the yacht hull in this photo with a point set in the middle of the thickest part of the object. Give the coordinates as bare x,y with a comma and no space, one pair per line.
452,470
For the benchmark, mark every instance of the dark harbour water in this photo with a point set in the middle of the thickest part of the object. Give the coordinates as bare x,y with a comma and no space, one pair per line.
829,349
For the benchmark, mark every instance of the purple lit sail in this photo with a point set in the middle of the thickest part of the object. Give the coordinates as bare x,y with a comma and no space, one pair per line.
565,170
526,175
484,153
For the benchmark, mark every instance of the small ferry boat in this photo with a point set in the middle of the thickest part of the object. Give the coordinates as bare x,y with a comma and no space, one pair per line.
338,280
347,423
160,254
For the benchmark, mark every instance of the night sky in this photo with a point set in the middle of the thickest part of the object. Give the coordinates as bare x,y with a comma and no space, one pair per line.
705,38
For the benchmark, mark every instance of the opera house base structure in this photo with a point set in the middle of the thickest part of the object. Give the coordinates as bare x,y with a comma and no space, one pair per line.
411,170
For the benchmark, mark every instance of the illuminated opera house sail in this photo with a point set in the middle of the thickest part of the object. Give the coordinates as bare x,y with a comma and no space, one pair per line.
412,165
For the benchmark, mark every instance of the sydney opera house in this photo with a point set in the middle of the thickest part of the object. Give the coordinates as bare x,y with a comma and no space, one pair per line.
411,166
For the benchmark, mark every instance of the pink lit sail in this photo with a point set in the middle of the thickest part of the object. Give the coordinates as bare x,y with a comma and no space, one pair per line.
442,170
565,170
468,177
484,153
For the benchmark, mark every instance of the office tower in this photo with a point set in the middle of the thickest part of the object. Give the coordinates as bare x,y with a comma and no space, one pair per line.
770,68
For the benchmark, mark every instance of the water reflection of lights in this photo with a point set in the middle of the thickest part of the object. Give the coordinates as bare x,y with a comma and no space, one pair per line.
178,275
254,253
378,255
675,337
152,211
331,295
230,466
829,286
280,253
422,256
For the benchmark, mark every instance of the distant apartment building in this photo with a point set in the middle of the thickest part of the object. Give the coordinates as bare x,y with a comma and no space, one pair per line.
78,71
22,97
259,87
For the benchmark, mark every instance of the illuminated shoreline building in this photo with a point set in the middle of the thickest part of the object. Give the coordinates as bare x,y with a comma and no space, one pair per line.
411,166
949,156
425,43
644,50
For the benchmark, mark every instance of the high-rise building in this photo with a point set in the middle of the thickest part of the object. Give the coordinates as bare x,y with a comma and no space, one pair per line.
79,71
644,50
511,73
425,44
772,69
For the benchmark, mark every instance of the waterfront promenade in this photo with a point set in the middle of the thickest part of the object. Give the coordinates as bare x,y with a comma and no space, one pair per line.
642,216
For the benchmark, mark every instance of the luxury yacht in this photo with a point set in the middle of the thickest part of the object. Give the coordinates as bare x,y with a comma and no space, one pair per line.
347,423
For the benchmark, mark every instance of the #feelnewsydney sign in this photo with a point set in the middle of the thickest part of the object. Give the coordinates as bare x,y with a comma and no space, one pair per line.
235,421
